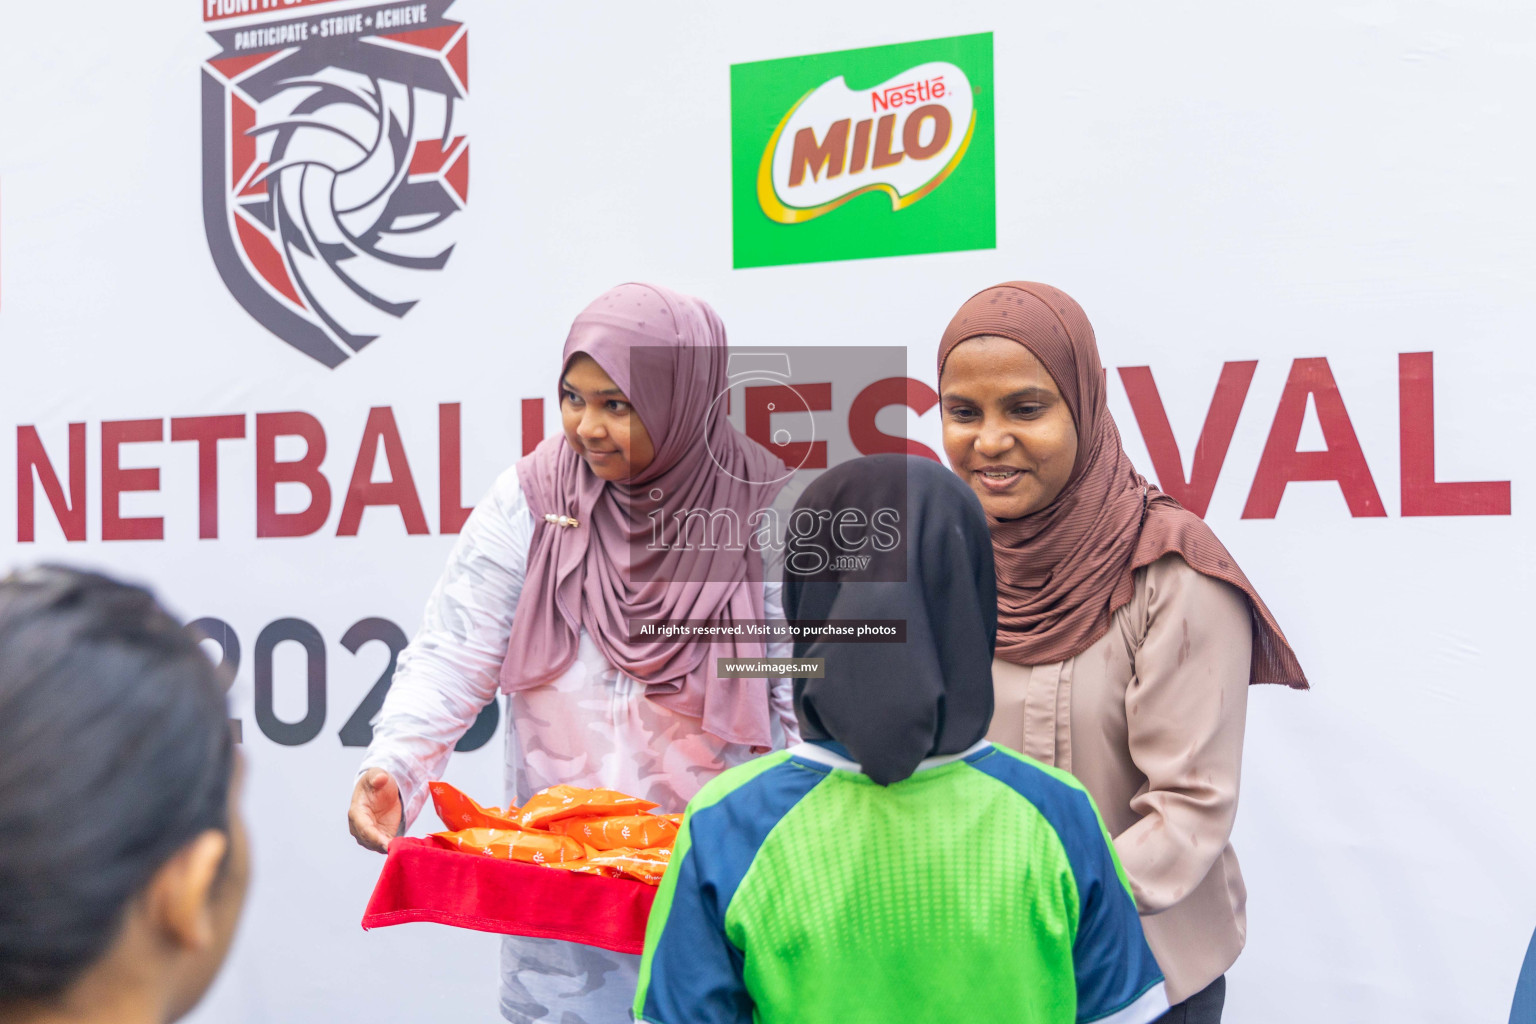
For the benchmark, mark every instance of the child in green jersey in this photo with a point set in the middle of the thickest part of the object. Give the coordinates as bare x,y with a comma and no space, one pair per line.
895,867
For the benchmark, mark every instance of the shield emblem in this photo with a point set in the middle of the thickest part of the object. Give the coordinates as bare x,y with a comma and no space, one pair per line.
335,165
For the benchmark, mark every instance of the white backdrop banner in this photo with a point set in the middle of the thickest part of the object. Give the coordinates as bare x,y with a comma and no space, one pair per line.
268,334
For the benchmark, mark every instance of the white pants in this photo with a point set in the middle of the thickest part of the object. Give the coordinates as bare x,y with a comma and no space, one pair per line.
565,982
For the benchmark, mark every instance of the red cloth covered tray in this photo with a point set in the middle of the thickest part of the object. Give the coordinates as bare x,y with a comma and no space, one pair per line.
423,881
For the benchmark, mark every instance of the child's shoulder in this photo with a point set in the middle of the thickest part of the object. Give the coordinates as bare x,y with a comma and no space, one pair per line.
1030,766
1056,793
733,779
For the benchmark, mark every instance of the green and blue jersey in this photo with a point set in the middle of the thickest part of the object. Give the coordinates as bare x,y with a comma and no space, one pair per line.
983,887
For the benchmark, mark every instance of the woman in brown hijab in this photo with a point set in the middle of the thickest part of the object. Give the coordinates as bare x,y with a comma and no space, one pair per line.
1127,635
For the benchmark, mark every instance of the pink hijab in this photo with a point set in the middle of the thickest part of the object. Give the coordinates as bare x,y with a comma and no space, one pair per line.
667,352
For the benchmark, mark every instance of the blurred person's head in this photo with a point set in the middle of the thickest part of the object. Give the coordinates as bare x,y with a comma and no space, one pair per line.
123,862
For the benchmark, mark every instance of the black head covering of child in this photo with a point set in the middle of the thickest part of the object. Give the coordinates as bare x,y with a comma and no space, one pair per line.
894,537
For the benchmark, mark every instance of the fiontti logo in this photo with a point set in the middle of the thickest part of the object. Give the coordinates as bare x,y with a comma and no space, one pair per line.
335,162
844,147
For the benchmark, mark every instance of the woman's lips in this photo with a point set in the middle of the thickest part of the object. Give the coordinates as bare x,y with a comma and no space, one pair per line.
999,480
599,456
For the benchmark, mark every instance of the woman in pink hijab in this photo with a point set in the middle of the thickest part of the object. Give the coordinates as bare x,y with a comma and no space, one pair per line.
537,601
1127,636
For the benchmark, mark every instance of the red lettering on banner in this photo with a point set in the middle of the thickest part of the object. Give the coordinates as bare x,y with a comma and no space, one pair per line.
32,458
762,403
216,10
906,93
871,440
1422,494
399,490
306,471
115,480
1343,461
450,470
533,424
207,431
1279,464
1215,436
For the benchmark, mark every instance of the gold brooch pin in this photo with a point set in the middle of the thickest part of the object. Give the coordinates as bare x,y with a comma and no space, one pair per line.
550,517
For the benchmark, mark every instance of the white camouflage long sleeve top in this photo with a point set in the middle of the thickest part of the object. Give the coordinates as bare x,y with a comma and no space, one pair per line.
591,727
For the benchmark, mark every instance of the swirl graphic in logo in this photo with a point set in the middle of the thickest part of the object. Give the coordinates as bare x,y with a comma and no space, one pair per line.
335,162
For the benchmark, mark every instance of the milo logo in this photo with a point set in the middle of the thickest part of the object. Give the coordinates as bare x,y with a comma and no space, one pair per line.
883,151
903,137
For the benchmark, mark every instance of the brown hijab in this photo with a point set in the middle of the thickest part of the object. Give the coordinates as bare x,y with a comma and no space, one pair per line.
1064,570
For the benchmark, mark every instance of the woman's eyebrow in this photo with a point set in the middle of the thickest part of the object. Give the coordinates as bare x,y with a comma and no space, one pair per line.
606,391
1033,391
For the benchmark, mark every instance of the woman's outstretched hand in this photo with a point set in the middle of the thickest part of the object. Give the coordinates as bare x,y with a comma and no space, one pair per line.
374,816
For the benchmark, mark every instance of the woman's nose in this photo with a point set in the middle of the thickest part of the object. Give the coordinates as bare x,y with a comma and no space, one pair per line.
992,441
591,424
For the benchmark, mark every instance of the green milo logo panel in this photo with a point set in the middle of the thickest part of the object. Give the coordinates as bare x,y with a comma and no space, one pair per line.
885,151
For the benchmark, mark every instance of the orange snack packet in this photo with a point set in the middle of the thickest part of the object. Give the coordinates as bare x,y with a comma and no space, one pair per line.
586,867
642,865
531,847
633,831
560,802
458,811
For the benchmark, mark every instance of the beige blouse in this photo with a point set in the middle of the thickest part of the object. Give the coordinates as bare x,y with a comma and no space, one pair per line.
1150,720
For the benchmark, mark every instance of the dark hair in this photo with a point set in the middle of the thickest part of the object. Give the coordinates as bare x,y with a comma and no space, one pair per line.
115,752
